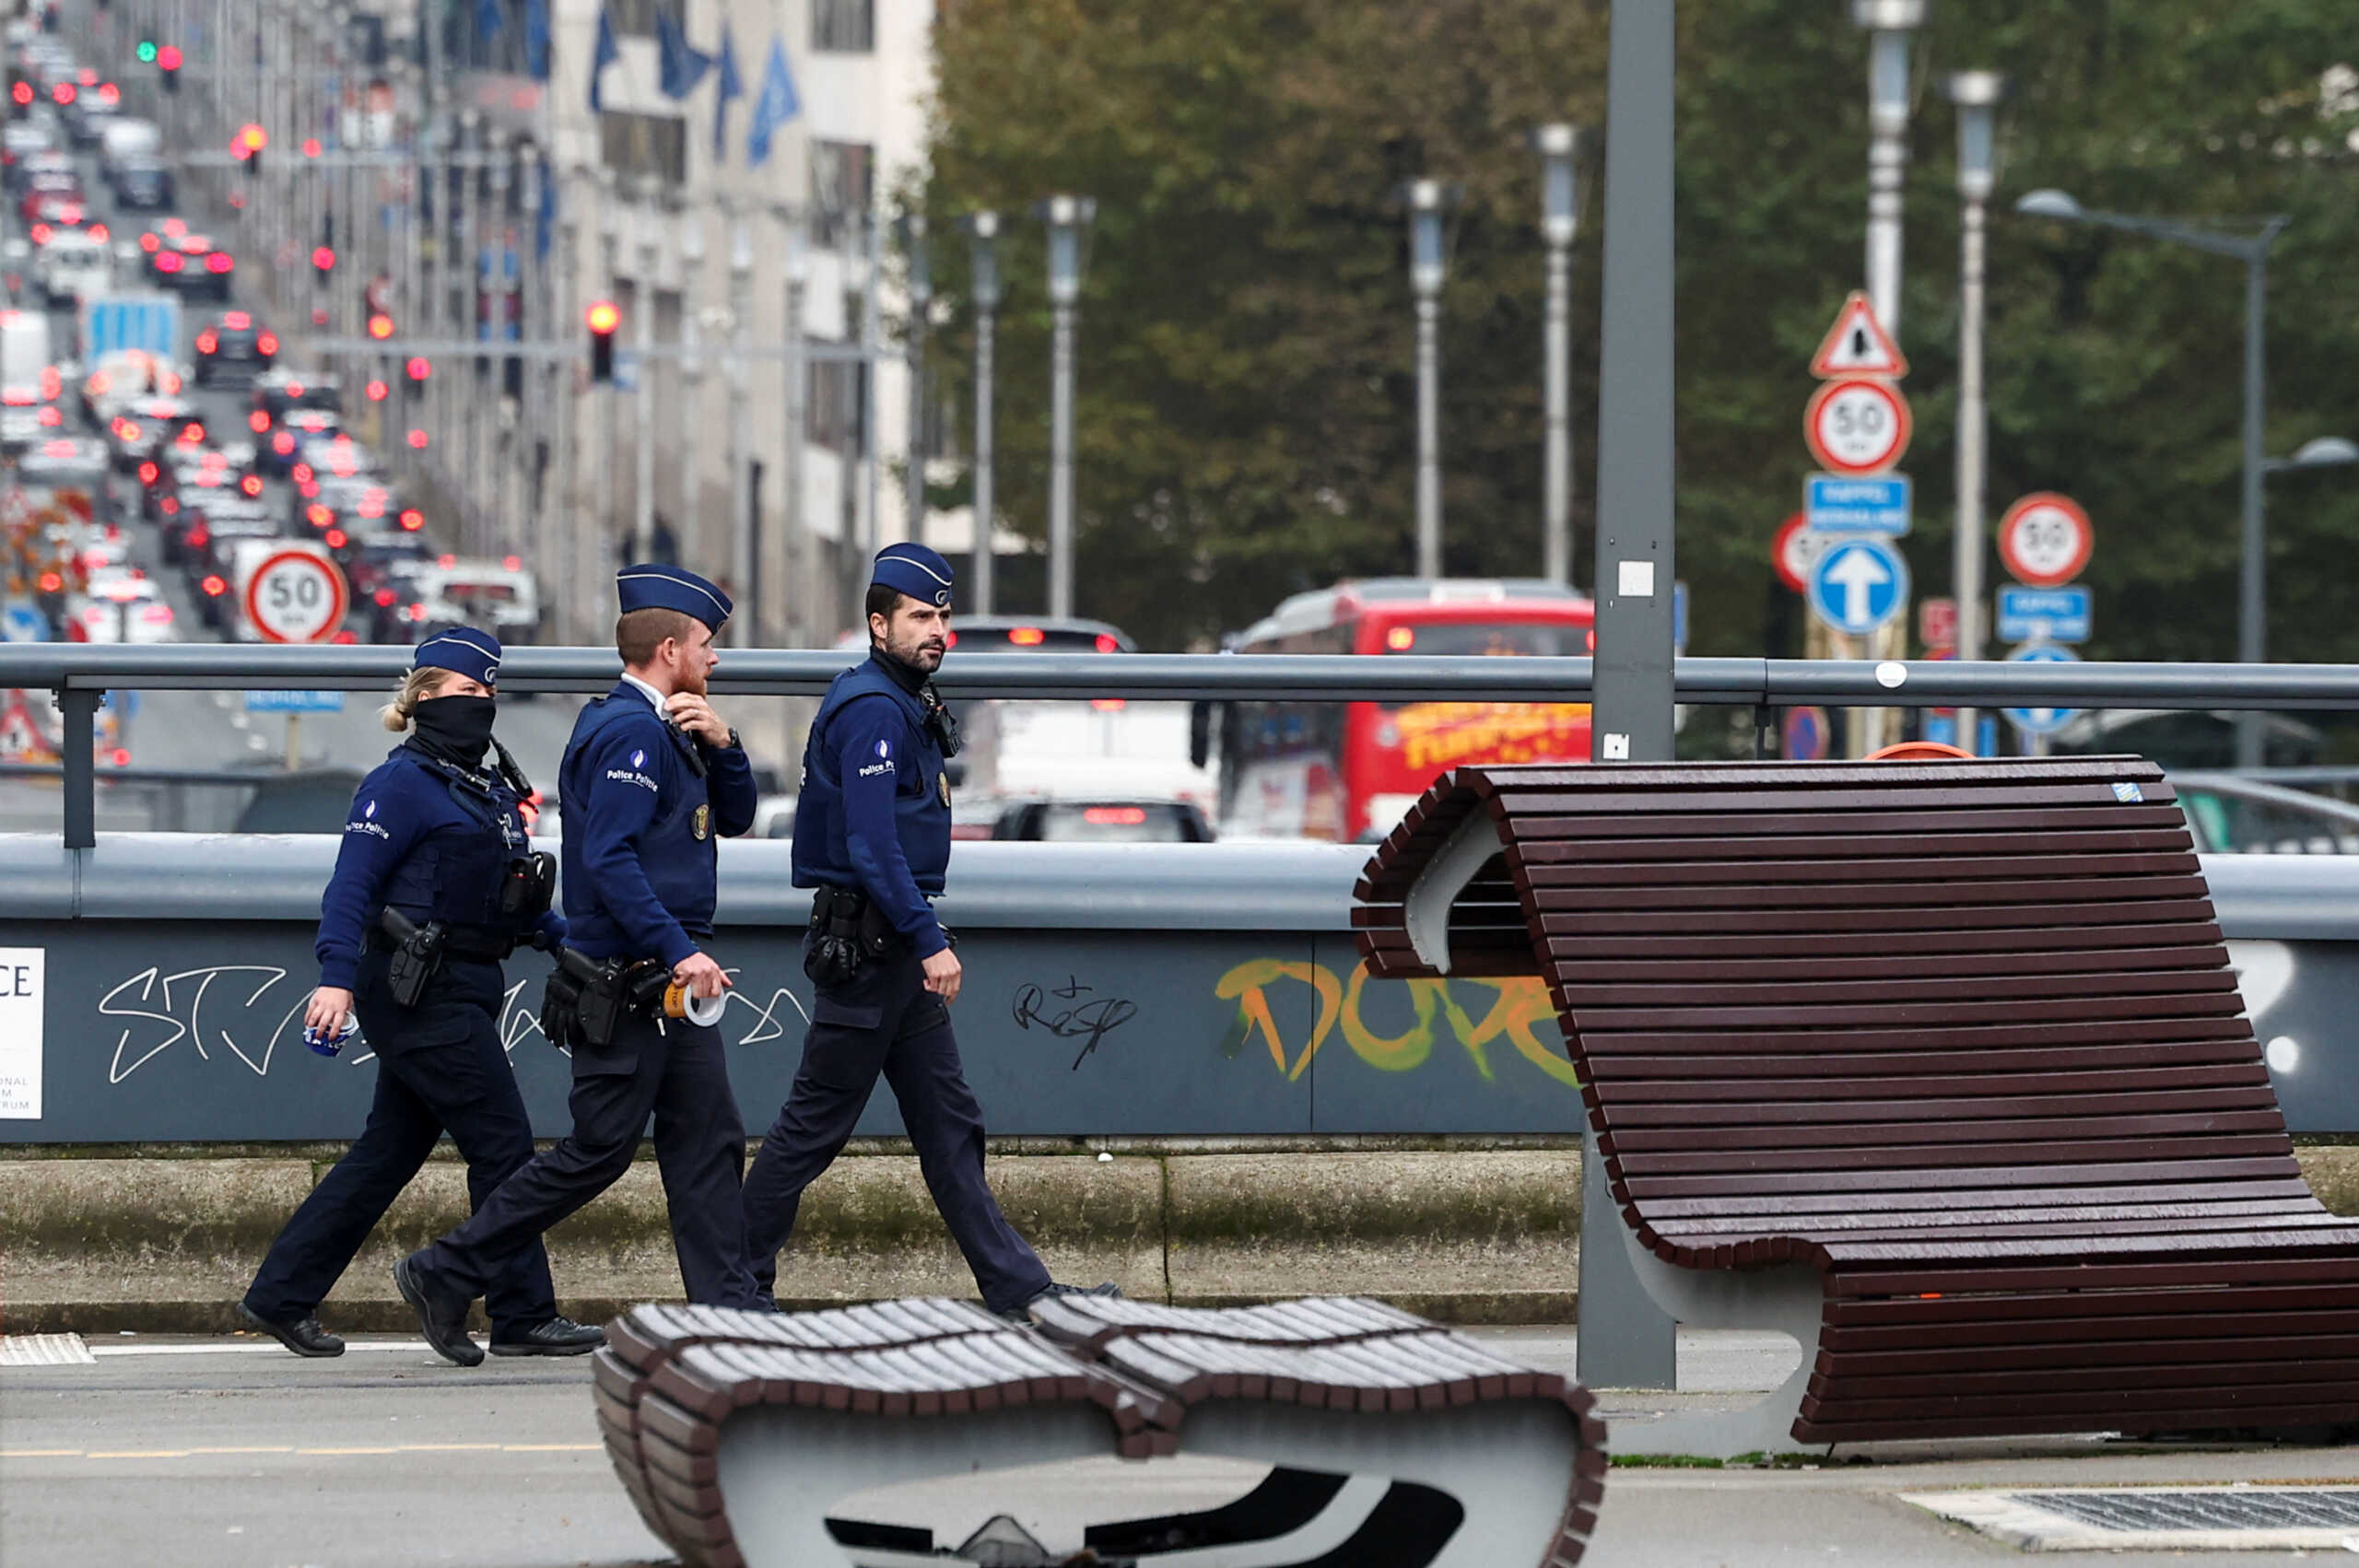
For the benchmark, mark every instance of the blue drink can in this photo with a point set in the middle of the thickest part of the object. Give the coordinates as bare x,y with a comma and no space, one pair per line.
328,1046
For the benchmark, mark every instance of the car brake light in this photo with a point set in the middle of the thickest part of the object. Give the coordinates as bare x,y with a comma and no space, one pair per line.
257,421
1108,643
335,539
52,417
251,484
205,341
218,262
1107,704
99,231
266,344
308,489
97,385
200,536
511,563
175,227
446,562
214,587
371,505
192,432
1026,636
345,637
40,233
129,431
121,756
283,443
418,612
413,519
319,515
385,597
237,320
157,615
949,639
150,244
417,440
147,472
169,261
1400,639
1114,816
302,473
52,582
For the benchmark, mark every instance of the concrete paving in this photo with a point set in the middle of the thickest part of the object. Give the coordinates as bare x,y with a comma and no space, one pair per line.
227,1452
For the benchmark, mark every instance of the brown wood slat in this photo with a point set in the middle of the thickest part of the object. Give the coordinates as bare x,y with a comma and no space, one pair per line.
1638,1078
1680,1000
2138,1004
1940,1080
1746,846
1898,967
2277,1164
1805,1209
1804,822
1553,891
2080,1107
2143,907
1916,870
1836,946
1556,800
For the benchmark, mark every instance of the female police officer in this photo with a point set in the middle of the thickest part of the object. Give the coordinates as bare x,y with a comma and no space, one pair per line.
433,886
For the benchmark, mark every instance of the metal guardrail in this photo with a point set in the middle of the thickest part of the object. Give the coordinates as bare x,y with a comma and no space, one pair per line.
80,673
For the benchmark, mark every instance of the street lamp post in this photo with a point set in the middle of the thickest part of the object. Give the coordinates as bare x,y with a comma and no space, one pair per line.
1559,146
688,526
1889,24
983,228
1977,96
915,253
2252,598
1068,218
1428,201
742,566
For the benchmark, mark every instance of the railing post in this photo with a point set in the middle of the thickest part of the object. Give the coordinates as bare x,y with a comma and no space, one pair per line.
80,706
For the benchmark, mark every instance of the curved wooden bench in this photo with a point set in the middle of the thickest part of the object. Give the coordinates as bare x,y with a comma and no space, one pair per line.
736,1434
1939,1067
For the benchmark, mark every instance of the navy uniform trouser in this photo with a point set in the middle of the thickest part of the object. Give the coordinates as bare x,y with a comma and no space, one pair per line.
439,1067
678,1072
885,1021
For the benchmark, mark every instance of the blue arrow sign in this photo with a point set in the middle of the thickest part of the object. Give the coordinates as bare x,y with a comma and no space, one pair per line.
2042,720
23,623
295,702
1835,505
1859,585
2044,614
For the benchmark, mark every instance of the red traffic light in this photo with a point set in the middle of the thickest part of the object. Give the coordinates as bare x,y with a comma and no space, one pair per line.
311,146
62,93
380,326
419,368
603,317
167,58
23,93
376,391
252,138
324,259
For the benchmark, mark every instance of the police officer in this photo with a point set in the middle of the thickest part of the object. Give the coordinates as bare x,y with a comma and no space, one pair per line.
650,778
436,849
871,836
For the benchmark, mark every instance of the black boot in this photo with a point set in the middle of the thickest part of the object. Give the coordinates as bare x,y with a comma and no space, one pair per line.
560,1336
303,1335
444,1323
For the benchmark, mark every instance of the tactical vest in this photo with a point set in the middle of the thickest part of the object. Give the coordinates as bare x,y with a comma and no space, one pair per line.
921,799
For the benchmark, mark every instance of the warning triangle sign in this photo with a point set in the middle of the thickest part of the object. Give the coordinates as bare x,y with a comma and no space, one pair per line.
1858,345
21,738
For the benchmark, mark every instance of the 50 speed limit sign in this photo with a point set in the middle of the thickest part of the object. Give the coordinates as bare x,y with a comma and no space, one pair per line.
2045,540
1857,425
295,596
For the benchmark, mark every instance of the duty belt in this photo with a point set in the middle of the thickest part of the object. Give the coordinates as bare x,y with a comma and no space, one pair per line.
474,944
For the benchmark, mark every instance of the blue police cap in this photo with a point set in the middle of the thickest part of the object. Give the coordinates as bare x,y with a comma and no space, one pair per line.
463,650
668,588
915,570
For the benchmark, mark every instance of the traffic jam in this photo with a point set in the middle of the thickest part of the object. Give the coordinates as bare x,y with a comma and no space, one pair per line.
171,469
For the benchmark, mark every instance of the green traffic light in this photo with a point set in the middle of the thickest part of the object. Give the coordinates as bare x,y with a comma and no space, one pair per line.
146,51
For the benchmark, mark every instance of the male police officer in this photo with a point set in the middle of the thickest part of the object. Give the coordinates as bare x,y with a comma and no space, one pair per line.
650,779
872,834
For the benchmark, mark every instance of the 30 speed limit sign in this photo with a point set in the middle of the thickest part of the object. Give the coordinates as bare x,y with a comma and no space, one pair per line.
1857,425
2045,540
295,596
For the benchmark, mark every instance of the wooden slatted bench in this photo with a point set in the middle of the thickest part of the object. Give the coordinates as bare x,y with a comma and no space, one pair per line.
1939,1067
738,1435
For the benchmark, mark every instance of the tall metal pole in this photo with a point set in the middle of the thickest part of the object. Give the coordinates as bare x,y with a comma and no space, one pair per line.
610,534
921,276
798,584
565,526
1627,1341
688,526
2252,597
986,332
742,521
1060,462
1890,24
1557,145
642,334
1976,94
1428,437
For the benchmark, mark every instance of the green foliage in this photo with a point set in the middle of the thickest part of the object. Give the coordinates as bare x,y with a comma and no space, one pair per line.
1245,417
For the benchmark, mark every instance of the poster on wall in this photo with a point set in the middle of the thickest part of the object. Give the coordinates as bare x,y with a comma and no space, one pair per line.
20,1035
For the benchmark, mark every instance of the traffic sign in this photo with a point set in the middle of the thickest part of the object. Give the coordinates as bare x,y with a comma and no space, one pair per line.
1805,737
20,736
1857,427
1859,585
1795,550
2044,614
2042,720
2044,539
1937,623
23,623
1857,345
295,702
1834,504
295,596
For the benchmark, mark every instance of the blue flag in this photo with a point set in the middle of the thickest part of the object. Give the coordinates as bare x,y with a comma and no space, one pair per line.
536,40
731,86
679,66
545,221
489,18
776,105
606,53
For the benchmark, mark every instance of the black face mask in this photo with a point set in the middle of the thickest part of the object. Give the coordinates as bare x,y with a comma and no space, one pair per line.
455,729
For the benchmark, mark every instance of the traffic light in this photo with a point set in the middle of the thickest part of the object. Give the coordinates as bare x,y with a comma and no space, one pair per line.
322,266
381,325
247,144
419,368
168,61
603,319
146,51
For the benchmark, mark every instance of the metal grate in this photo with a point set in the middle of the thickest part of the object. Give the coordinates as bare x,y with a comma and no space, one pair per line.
2205,1508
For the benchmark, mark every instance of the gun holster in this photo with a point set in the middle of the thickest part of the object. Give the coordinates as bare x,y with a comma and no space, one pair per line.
606,992
417,954
848,929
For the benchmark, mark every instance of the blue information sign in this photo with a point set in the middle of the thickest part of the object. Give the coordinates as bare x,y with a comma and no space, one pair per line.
295,702
1859,585
2044,614
2042,720
1835,505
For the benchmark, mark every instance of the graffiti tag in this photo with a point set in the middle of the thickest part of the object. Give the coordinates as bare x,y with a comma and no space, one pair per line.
1517,1003
1088,1018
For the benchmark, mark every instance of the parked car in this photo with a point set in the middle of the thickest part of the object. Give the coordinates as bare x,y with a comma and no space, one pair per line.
1104,822
2229,816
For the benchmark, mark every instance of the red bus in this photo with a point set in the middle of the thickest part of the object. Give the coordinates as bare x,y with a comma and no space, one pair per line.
1345,771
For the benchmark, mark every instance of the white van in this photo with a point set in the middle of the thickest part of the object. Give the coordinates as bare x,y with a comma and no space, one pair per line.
24,347
127,138
73,267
